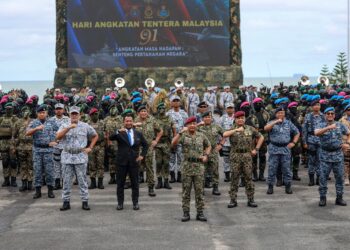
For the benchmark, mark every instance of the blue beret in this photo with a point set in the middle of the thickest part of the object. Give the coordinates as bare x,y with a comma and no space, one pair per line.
137,99
347,107
284,99
334,98
316,97
309,98
277,101
304,96
136,94
274,95
345,102
329,109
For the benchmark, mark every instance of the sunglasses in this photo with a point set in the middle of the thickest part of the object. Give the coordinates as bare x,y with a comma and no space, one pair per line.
202,107
176,100
330,113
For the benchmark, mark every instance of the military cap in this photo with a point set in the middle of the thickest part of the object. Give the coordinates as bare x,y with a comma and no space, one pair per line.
226,87
202,104
41,108
239,114
190,120
174,97
93,111
59,106
244,104
329,109
74,109
206,113
229,105
142,107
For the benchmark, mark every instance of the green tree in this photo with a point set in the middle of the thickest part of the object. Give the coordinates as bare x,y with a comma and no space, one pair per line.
325,71
340,70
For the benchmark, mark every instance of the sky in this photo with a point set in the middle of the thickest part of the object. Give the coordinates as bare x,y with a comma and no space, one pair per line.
279,38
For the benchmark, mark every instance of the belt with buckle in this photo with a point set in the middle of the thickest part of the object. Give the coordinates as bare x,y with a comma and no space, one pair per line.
73,151
194,159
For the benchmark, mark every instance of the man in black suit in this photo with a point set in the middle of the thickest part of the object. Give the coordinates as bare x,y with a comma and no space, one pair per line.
128,159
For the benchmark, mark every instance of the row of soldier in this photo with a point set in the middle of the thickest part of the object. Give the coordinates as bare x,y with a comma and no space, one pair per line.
167,122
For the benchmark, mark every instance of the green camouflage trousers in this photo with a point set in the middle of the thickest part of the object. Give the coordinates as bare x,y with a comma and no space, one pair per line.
241,165
162,160
212,168
147,165
197,182
112,153
25,158
8,164
96,166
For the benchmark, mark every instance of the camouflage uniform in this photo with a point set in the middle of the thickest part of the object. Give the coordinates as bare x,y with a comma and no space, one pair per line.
73,160
96,157
345,120
176,156
214,133
7,148
58,149
149,129
279,137
241,160
193,169
42,152
226,123
331,157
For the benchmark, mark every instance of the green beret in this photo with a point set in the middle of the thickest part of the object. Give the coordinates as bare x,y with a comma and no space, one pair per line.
206,113
128,112
9,105
161,105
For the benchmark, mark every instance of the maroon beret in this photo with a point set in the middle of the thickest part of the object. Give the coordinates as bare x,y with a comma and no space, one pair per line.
93,111
239,114
190,120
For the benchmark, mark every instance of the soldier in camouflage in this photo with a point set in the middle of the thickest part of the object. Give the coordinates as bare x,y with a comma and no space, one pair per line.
243,139
162,149
196,149
24,150
346,121
214,134
96,157
152,132
74,136
7,146
43,131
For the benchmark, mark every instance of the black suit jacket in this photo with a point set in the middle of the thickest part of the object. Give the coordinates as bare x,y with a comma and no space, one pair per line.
127,154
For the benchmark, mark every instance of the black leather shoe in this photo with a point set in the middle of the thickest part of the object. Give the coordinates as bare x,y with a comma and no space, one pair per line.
120,207
65,206
160,183
136,206
200,216
37,193
85,205
339,201
100,183
113,179
289,189
270,189
93,183
251,203
151,191
323,202
30,186
227,177
186,217
24,186
6,182
232,204
50,193
216,190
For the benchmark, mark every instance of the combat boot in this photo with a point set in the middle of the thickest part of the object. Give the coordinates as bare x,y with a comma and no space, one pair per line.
85,205
172,177
179,176
160,183
141,179
289,189
151,191
317,180
270,189
339,201
93,183
58,184
166,184
112,180
65,206
296,176
100,183
24,186
200,216
216,190
6,182
251,203
50,193
30,186
232,204
242,184
13,181
186,217
323,201
37,193
255,176
261,176
227,177
311,180
207,183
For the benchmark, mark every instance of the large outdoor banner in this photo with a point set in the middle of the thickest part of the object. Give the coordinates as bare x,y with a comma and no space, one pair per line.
148,33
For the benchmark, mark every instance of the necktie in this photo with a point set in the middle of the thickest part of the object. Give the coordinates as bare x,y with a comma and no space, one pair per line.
129,137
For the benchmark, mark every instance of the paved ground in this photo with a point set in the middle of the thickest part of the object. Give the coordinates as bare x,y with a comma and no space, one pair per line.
280,222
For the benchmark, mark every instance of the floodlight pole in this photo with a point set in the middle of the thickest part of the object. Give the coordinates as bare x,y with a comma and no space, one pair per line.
348,40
